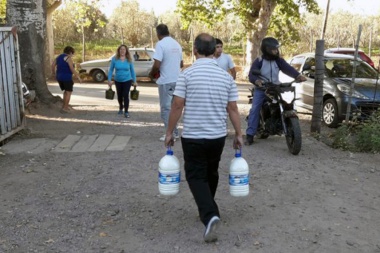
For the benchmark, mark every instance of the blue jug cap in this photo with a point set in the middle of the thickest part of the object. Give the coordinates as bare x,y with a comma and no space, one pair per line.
169,151
238,152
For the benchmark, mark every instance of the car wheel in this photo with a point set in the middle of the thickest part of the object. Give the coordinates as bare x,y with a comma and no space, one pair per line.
98,76
330,113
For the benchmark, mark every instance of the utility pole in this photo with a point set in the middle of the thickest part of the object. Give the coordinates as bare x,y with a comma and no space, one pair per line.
353,75
325,21
370,42
319,76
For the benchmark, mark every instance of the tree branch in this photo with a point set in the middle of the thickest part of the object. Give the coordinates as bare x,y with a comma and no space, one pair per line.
54,6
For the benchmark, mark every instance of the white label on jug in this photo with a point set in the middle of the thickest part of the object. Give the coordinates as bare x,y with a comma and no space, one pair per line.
172,178
236,180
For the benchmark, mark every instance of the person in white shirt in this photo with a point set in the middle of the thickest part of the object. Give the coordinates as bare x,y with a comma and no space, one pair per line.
167,65
224,60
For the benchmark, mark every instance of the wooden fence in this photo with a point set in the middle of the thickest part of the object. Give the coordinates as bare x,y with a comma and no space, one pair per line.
12,116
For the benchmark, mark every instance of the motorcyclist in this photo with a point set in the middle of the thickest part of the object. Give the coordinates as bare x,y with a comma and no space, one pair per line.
270,64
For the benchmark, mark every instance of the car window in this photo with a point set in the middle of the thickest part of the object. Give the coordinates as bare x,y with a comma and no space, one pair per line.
141,56
296,62
364,70
329,65
343,68
310,62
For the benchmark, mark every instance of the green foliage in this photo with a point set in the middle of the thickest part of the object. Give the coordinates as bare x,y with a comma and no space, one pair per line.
3,12
75,16
235,50
131,25
342,138
360,137
205,11
211,11
97,49
86,14
368,135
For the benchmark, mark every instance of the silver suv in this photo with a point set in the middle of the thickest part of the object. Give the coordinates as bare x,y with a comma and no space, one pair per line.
142,62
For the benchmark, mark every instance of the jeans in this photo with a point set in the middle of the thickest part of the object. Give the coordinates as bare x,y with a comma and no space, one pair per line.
122,89
165,93
202,158
254,113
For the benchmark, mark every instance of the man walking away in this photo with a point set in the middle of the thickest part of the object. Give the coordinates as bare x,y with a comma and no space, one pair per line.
207,94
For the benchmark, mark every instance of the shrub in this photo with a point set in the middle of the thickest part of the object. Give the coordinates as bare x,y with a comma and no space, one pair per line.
342,138
360,137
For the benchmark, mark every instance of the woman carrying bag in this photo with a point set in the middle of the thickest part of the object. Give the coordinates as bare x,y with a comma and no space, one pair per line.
124,77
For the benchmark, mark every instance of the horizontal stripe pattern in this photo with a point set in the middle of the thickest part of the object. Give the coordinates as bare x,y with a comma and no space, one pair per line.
207,89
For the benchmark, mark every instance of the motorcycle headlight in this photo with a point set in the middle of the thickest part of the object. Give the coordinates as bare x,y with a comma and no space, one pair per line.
288,96
346,90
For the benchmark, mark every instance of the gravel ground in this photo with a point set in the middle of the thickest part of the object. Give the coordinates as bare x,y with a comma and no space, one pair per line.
322,200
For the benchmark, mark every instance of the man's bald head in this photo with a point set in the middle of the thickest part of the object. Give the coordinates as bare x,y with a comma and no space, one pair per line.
205,44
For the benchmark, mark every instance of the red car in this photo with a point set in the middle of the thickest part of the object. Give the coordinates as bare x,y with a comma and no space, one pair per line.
351,51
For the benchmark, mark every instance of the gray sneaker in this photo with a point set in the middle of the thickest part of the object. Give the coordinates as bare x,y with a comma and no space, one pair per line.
211,230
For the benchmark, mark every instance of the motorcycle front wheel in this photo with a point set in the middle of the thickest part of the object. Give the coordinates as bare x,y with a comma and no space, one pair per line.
293,136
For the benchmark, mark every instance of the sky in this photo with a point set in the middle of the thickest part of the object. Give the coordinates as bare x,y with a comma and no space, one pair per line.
368,7
158,6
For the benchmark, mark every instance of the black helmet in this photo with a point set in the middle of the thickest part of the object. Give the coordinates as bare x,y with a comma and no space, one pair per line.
267,45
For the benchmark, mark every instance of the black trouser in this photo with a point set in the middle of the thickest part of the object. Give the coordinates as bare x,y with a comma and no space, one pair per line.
202,158
123,89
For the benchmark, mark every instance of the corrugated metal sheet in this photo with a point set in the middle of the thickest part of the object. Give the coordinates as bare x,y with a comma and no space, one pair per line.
12,117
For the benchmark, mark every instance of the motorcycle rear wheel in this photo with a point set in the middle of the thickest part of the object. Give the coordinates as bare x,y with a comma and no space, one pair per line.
294,136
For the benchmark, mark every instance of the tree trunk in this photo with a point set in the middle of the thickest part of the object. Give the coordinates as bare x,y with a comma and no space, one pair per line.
49,42
261,26
30,19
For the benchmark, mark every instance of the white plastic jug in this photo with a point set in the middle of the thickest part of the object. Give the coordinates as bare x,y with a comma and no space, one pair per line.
239,176
169,174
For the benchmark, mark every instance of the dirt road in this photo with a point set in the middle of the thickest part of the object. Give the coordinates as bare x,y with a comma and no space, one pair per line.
322,200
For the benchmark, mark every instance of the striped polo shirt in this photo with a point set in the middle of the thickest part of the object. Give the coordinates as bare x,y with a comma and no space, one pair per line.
207,89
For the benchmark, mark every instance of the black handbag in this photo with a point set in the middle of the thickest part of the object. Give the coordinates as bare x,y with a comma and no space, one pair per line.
135,94
110,94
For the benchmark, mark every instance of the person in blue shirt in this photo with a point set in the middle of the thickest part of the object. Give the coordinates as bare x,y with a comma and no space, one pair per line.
270,64
124,77
63,70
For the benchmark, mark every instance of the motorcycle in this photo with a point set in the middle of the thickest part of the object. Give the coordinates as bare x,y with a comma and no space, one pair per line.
26,95
277,115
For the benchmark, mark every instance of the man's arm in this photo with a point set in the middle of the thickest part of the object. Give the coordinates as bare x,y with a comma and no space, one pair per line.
155,68
233,113
231,66
287,68
175,114
181,64
71,66
233,73
255,65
